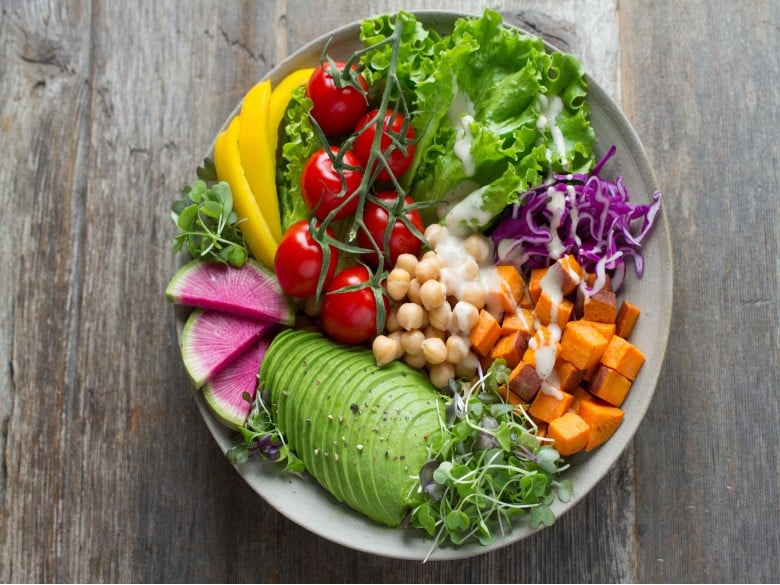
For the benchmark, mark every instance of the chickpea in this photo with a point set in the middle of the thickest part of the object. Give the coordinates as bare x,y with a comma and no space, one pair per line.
431,255
465,370
432,294
449,278
440,316
391,322
386,349
411,342
464,317
411,316
473,293
427,269
398,283
431,331
440,374
457,349
415,361
407,262
435,233
397,336
434,350
413,294
478,247
469,270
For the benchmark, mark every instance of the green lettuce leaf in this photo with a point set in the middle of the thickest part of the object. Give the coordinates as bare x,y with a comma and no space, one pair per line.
299,141
494,99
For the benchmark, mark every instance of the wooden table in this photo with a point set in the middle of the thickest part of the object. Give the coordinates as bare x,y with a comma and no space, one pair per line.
107,472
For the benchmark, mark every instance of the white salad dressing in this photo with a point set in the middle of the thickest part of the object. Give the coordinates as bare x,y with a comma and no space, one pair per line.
548,110
461,117
545,353
556,205
467,212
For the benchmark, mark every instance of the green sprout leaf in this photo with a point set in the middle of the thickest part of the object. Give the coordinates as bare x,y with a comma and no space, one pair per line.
208,226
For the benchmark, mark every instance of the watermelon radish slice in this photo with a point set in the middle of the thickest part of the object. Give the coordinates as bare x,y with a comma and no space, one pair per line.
211,340
225,392
249,291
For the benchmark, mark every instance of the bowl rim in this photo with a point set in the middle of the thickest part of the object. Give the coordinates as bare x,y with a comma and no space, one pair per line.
443,20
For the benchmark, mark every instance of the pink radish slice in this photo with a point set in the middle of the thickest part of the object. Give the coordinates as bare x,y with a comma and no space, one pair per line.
225,393
249,291
212,339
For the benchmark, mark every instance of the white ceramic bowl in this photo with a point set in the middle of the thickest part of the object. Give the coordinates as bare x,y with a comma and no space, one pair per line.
303,501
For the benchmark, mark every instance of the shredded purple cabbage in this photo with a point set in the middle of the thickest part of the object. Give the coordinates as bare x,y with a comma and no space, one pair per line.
584,215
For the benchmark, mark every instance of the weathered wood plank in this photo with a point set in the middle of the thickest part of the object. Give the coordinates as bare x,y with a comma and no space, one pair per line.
45,111
706,482
108,473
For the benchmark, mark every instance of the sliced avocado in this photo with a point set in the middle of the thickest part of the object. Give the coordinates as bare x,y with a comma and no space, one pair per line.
362,431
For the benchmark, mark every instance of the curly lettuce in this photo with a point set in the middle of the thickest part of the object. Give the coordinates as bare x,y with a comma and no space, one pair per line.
495,114
299,142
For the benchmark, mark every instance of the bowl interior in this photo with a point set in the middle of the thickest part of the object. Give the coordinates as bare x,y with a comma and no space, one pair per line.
302,500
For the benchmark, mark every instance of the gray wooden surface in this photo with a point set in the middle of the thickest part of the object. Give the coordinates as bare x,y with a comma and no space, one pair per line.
108,474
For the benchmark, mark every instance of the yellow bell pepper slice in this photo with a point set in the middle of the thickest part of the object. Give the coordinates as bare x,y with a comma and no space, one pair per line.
227,161
280,97
258,160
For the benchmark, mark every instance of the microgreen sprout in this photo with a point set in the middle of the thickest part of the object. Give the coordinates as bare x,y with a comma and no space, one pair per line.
486,467
260,436
208,225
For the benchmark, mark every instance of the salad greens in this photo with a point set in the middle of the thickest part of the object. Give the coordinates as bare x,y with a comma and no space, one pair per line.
492,109
299,142
486,467
207,224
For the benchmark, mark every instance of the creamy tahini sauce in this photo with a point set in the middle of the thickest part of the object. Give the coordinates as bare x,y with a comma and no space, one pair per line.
467,212
548,110
461,117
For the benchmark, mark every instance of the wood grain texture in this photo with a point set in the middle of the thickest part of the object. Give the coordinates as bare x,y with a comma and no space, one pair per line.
706,472
107,471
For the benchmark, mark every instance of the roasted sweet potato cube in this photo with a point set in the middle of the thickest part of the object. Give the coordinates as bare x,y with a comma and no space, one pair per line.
509,396
510,348
609,385
582,345
534,288
623,357
485,333
547,406
524,381
526,302
569,377
600,307
570,432
603,420
513,279
590,280
546,306
580,394
568,272
607,330
626,319
518,320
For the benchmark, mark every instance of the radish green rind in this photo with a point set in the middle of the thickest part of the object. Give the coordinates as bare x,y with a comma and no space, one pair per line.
361,431
249,291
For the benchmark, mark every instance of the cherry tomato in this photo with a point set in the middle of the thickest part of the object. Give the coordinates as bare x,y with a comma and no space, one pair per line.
399,159
402,240
298,261
336,109
321,184
350,317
